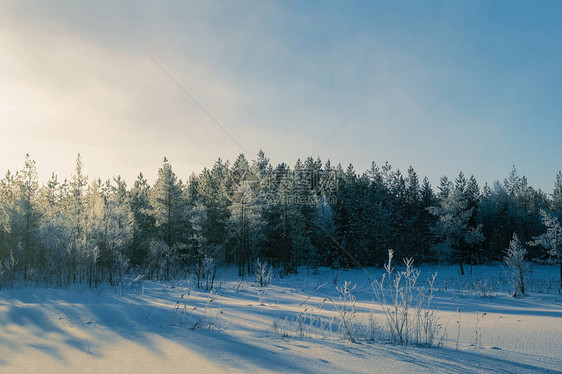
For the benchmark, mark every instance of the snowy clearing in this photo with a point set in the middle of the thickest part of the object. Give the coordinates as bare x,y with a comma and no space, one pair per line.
171,327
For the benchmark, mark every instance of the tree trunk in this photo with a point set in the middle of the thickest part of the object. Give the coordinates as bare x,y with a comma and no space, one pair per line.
461,267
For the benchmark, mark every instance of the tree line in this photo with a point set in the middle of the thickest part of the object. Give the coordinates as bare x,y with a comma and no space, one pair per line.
311,214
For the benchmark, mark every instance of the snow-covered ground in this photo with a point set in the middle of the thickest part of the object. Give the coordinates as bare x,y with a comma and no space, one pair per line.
175,327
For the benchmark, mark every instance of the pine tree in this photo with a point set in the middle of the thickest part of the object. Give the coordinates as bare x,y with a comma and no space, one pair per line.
210,190
27,181
551,240
425,222
444,188
201,249
76,214
171,221
49,249
117,229
8,214
343,219
556,202
454,224
143,222
168,206
246,226
515,259
379,215
472,198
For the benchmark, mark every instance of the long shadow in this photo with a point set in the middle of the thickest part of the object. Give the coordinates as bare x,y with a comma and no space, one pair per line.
55,321
140,319
128,318
452,361
36,320
242,355
524,307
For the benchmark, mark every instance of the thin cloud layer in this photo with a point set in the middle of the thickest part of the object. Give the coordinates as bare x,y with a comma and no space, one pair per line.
76,78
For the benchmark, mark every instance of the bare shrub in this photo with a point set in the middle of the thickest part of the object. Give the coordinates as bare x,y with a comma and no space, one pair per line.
8,270
427,327
477,340
264,272
407,315
346,311
206,270
208,321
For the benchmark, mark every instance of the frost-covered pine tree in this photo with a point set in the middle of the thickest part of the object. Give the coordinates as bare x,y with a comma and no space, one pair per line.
456,224
114,228
556,201
551,240
515,259
168,206
55,233
75,205
143,222
246,225
28,212
444,188
200,249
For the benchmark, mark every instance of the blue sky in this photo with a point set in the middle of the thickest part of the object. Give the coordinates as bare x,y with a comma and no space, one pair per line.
481,90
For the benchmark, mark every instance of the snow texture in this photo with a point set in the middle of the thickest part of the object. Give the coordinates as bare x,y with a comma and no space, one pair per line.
174,327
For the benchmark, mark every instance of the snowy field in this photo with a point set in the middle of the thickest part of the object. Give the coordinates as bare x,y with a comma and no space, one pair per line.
285,327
